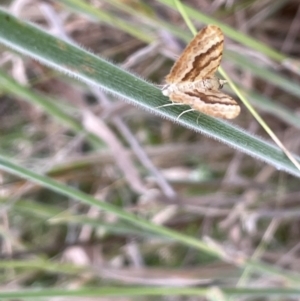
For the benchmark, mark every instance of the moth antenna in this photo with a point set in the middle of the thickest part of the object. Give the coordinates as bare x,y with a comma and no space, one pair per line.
171,104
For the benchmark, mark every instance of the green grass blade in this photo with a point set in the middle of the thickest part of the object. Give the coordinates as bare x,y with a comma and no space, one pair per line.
136,221
85,8
270,76
269,106
89,68
150,19
149,291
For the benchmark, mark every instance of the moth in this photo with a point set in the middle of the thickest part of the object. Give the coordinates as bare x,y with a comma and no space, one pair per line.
192,80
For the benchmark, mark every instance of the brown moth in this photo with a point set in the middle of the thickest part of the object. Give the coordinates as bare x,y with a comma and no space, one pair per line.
192,81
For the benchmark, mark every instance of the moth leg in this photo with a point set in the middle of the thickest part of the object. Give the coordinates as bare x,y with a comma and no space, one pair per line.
170,104
186,111
198,118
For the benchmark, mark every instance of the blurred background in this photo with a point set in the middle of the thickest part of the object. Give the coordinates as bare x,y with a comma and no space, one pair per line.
146,165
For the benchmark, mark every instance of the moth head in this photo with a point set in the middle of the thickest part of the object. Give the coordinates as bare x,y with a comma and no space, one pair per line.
165,90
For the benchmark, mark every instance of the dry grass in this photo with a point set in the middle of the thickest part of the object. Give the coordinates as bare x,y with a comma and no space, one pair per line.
148,166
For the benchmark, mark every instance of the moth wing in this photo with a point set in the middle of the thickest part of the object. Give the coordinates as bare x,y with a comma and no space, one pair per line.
210,102
201,58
